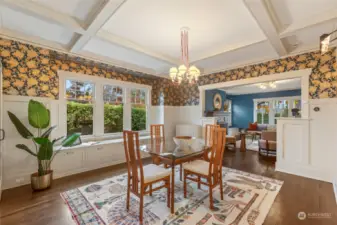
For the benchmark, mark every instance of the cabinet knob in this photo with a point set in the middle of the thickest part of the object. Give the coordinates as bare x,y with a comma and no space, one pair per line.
69,153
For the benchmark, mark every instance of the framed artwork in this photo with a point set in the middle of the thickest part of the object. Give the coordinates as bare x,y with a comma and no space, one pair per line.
217,101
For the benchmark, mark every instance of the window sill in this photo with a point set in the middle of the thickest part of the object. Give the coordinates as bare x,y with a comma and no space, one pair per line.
95,141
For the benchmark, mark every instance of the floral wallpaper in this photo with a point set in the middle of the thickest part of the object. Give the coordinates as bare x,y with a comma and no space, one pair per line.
32,71
323,80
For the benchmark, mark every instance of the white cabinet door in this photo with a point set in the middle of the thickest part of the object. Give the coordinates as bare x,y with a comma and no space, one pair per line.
97,155
68,162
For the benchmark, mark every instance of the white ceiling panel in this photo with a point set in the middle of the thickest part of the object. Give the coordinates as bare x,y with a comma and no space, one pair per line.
214,25
254,53
281,85
79,9
290,11
308,38
30,25
119,53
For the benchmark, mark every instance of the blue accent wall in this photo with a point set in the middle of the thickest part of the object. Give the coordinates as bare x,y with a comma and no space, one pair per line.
209,99
243,105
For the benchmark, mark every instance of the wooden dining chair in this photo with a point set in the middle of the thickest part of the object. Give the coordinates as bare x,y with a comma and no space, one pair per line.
212,170
140,179
209,133
157,132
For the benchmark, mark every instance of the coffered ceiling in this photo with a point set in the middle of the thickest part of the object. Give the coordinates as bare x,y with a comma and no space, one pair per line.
144,35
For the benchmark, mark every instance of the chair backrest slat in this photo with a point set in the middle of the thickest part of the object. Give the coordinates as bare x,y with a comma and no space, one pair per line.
157,132
218,148
209,131
133,159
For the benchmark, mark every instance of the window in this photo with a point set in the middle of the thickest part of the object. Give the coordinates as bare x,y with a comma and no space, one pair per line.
262,112
113,109
268,110
101,107
138,110
80,96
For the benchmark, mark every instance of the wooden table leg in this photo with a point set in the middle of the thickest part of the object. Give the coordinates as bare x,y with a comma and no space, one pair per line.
172,188
243,143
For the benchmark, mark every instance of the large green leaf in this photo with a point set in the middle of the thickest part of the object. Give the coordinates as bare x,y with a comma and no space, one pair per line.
45,149
47,132
38,115
23,131
25,148
70,140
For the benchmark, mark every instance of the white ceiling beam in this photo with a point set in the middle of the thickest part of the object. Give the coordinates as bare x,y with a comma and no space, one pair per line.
106,36
45,13
309,22
265,18
97,23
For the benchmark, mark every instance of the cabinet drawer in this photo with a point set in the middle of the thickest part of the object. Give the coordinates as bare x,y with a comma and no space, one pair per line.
67,161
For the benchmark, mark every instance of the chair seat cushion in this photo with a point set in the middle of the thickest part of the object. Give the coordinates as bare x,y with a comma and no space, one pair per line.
153,172
197,166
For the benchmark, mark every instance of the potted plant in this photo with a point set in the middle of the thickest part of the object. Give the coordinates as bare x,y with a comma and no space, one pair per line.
39,118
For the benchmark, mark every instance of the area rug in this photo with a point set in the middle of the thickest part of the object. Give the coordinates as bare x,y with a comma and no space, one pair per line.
247,201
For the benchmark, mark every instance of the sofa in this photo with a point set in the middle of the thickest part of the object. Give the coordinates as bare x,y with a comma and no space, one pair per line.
268,143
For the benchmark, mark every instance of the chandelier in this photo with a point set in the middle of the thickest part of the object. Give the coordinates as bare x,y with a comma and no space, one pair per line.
184,72
265,85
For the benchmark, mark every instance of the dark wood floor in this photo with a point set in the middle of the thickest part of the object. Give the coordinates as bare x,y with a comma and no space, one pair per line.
20,206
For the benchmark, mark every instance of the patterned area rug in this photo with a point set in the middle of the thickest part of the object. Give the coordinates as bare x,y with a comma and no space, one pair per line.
247,200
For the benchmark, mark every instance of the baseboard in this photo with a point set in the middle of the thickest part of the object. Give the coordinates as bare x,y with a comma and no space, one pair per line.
305,171
334,184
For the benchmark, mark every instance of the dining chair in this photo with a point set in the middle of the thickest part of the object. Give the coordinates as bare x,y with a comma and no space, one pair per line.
212,170
157,132
209,133
140,179
157,135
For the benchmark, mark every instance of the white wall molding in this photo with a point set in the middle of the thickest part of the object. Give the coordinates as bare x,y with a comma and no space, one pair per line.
302,74
335,189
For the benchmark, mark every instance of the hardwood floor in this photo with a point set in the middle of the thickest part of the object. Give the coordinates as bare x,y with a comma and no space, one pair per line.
20,206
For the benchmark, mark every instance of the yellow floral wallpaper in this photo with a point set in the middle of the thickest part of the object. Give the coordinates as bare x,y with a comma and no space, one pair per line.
32,71
323,81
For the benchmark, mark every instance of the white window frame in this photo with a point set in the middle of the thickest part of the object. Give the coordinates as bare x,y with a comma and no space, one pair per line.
98,103
271,109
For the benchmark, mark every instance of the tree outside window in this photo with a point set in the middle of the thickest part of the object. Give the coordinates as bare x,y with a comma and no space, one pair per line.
138,109
113,109
80,96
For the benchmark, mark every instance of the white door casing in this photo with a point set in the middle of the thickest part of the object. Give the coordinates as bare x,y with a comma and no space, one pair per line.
1,129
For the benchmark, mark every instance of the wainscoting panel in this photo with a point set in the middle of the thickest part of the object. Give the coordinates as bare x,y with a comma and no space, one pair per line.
293,139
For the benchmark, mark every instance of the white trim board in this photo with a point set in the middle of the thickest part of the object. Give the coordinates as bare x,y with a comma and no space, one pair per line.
303,74
276,98
334,185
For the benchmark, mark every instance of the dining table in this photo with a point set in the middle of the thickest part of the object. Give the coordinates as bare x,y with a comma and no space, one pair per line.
171,154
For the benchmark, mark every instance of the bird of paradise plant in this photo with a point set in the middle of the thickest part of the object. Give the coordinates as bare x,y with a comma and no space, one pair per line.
39,118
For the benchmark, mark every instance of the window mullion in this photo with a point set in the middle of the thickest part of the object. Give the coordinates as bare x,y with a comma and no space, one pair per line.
98,105
127,110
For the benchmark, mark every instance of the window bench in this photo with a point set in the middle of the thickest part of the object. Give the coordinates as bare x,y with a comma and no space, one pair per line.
69,161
